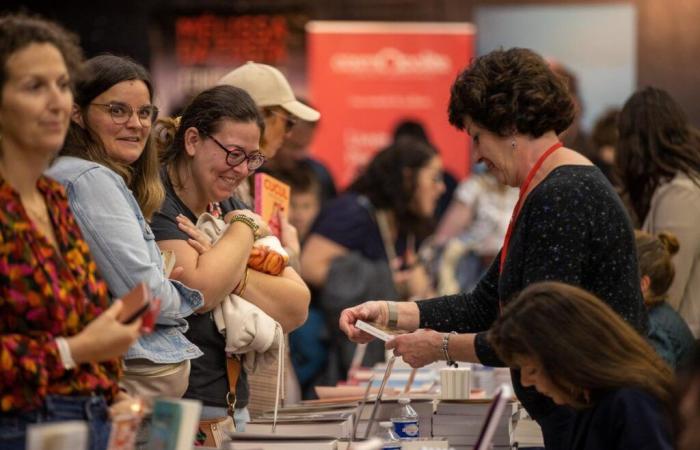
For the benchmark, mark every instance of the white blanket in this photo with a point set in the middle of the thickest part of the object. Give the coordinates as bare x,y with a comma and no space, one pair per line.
249,331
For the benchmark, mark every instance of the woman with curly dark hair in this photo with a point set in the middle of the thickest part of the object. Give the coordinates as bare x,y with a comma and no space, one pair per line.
568,225
658,159
365,239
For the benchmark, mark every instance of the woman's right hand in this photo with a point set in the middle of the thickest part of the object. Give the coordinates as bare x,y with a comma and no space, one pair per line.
198,239
104,338
263,228
372,311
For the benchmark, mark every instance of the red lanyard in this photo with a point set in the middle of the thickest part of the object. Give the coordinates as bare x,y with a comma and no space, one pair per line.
521,199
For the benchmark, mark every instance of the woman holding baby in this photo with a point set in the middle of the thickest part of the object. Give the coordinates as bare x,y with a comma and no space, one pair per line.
213,148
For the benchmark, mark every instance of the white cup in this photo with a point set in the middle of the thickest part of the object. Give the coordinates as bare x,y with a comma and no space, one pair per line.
455,383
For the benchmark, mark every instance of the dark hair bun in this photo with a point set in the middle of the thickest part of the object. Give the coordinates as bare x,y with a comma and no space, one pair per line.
164,132
670,242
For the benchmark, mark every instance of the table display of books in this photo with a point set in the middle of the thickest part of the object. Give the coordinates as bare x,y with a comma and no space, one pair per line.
460,421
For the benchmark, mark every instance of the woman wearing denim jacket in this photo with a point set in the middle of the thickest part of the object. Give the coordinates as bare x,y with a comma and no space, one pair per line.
110,172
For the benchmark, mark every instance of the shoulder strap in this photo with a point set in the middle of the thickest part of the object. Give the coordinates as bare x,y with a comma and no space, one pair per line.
233,371
383,224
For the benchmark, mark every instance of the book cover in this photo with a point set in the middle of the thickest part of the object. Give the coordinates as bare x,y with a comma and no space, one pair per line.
271,199
310,429
174,424
122,436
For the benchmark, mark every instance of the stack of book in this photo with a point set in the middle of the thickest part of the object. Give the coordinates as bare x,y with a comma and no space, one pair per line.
321,424
461,421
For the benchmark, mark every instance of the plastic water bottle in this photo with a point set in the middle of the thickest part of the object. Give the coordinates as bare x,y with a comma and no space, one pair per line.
390,441
406,421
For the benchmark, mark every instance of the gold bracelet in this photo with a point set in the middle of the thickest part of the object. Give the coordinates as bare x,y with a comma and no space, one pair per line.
248,221
243,283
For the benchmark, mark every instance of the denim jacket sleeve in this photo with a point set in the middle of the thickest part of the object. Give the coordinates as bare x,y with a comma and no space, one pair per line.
122,242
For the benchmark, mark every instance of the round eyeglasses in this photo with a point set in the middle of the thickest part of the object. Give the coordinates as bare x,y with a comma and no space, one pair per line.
121,113
238,155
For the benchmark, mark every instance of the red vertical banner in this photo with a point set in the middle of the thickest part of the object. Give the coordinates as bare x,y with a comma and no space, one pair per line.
365,77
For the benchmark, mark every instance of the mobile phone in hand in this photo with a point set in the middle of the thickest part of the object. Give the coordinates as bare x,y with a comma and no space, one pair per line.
136,303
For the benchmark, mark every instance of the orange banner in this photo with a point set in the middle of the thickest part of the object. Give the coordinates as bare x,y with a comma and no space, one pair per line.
365,77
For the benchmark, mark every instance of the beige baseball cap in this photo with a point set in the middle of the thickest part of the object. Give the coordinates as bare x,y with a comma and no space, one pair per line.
268,87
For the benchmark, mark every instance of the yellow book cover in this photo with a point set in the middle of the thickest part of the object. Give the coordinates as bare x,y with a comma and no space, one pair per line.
271,200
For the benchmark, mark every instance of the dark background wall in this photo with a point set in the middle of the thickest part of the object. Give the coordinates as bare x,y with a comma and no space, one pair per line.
668,41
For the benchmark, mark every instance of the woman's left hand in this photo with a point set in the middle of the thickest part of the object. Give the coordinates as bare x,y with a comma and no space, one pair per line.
126,404
198,240
419,348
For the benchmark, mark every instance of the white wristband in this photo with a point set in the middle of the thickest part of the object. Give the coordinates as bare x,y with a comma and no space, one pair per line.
64,351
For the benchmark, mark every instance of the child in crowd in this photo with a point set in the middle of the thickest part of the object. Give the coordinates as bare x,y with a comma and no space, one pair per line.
668,332
308,343
593,361
305,199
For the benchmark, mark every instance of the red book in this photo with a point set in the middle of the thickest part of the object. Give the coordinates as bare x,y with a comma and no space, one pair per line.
271,200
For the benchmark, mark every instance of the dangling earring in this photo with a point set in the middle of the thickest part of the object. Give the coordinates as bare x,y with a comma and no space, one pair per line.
513,144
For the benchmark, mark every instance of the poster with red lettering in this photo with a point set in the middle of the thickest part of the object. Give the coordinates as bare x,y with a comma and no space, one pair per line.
191,50
366,77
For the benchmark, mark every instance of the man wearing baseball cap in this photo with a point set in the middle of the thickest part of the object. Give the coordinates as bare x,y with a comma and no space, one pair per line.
273,95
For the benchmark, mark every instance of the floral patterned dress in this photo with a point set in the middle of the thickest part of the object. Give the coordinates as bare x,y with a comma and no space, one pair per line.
43,295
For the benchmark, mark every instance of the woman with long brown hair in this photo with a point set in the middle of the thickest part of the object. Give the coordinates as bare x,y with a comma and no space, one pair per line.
110,169
658,159
592,361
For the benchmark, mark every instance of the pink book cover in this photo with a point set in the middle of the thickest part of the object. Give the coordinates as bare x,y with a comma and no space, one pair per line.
271,198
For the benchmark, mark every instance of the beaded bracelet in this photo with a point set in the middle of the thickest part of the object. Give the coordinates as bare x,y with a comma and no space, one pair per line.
248,221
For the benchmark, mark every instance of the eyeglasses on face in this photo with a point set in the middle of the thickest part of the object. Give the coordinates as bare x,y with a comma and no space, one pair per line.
238,155
121,113
289,120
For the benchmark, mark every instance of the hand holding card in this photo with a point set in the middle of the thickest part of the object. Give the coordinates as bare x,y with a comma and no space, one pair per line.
374,331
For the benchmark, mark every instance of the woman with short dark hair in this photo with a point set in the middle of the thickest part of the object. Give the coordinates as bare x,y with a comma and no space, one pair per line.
568,225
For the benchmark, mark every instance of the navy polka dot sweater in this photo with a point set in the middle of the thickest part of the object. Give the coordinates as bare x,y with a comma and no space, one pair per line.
572,228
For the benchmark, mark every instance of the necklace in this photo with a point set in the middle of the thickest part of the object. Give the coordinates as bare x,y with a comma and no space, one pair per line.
521,199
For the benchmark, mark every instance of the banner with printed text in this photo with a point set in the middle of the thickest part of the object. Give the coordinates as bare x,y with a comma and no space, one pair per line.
365,77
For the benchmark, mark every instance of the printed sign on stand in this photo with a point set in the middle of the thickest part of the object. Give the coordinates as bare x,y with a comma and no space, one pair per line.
365,77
